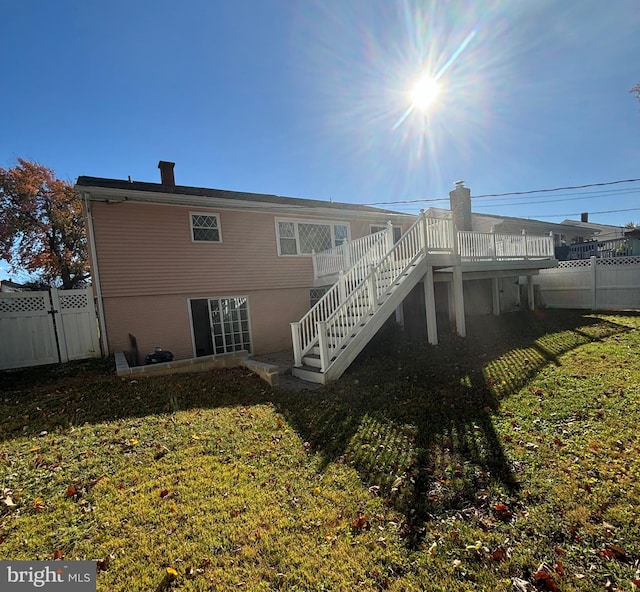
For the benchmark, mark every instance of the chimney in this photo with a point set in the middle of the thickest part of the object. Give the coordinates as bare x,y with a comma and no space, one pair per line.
166,173
584,217
460,199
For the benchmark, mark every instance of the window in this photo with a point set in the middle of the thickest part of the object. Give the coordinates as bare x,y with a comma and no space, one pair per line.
205,228
298,237
397,231
220,325
315,294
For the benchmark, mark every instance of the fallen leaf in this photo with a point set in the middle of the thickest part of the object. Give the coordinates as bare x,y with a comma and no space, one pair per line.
57,555
72,491
172,573
544,581
611,551
164,493
499,554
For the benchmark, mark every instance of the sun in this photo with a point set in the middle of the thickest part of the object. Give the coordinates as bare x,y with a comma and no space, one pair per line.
425,93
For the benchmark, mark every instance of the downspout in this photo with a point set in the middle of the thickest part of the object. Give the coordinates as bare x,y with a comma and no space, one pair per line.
95,276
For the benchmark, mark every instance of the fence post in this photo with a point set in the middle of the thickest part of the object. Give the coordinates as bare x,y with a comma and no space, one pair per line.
524,242
322,343
373,291
552,252
594,283
59,324
297,348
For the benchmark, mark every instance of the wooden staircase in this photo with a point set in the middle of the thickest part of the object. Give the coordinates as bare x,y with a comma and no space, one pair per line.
330,336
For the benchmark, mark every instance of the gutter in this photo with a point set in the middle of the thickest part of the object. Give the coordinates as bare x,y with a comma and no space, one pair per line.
95,276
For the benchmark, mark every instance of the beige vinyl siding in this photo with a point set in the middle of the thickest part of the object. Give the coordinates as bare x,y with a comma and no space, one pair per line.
148,249
163,320
149,267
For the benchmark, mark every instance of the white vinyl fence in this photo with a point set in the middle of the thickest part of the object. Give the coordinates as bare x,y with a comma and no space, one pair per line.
47,327
593,284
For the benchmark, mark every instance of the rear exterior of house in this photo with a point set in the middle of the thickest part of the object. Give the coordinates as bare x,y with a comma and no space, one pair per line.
201,271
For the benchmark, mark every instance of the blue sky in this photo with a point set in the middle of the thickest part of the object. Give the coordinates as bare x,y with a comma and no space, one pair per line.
303,98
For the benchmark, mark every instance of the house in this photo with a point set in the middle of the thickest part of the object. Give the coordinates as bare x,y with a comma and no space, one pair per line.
9,286
202,271
205,271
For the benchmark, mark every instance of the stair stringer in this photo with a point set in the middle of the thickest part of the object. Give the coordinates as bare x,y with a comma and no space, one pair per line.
366,332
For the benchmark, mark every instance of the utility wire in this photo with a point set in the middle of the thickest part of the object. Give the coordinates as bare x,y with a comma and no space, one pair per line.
511,193
557,188
526,203
577,214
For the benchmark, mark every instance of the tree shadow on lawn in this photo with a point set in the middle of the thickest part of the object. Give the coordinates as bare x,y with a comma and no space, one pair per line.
414,421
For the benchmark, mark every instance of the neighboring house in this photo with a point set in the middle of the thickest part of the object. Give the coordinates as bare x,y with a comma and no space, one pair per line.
204,271
564,233
9,286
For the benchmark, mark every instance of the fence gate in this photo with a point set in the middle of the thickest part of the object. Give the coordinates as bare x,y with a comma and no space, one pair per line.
47,327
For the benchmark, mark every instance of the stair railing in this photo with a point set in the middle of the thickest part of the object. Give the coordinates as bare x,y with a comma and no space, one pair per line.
372,292
304,333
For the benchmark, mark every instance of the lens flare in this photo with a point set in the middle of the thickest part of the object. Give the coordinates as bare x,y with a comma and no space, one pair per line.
425,93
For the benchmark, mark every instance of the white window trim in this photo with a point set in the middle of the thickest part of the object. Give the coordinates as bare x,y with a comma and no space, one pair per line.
193,336
212,214
297,221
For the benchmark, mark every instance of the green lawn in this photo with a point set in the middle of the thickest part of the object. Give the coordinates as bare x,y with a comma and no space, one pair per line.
507,460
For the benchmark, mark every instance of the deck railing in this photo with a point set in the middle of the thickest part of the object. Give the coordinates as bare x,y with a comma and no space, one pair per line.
491,246
617,247
342,257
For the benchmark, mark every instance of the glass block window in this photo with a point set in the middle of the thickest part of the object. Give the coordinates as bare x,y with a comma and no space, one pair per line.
298,237
315,294
205,228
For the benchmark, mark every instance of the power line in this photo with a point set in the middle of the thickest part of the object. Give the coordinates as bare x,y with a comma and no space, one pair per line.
590,213
557,188
527,203
511,193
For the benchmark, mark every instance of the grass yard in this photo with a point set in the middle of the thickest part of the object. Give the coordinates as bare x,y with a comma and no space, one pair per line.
504,461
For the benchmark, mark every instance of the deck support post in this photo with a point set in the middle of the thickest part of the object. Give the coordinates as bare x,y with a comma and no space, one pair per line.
495,295
297,349
530,293
458,298
324,346
430,306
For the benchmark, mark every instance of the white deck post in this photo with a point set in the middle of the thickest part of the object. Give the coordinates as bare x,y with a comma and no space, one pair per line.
322,342
295,339
430,306
524,242
373,291
425,237
389,236
451,302
495,294
346,254
458,297
342,286
531,293
315,264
